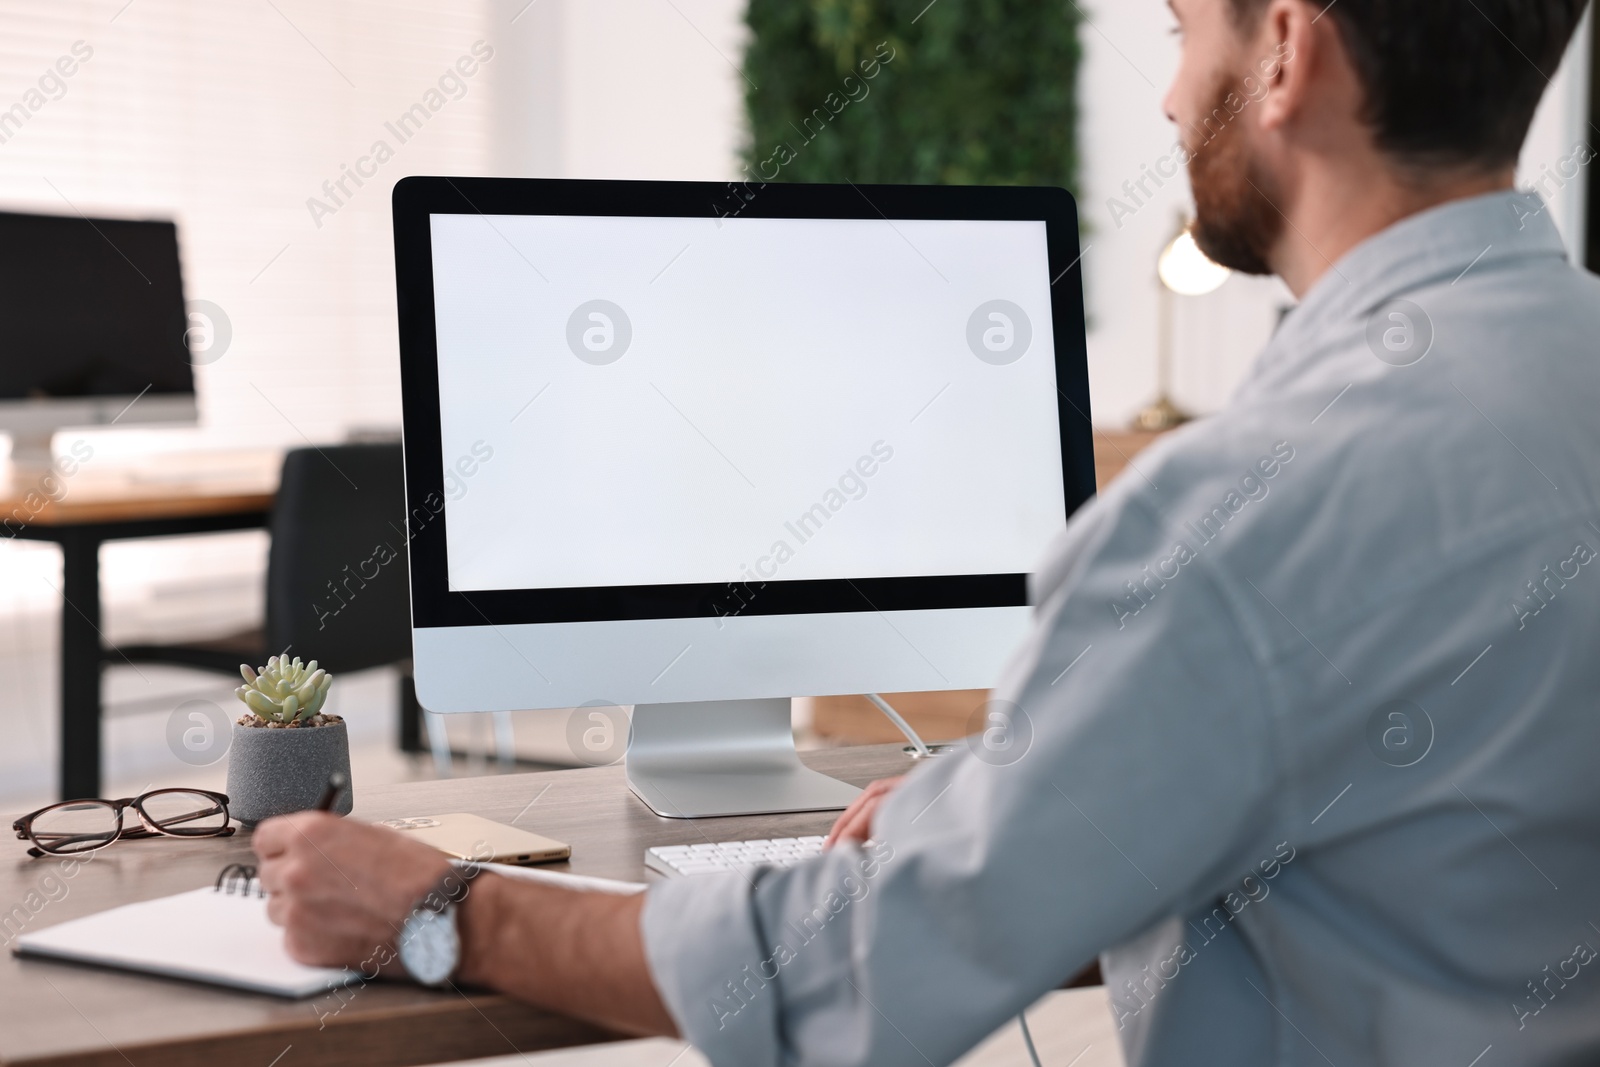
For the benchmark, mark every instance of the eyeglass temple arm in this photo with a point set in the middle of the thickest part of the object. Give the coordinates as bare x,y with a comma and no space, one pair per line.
139,831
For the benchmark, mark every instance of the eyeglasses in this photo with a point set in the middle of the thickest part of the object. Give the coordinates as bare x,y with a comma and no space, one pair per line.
77,826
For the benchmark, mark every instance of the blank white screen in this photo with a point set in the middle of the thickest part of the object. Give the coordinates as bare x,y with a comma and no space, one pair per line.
767,358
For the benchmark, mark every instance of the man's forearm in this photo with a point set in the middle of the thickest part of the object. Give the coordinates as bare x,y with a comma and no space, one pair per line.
579,953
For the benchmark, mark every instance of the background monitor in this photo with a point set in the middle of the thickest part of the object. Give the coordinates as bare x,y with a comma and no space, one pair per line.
92,316
671,449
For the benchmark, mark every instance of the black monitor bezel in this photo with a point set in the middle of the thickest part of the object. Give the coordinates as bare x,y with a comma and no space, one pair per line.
434,604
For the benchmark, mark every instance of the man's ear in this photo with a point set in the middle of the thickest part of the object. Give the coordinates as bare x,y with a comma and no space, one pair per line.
1293,42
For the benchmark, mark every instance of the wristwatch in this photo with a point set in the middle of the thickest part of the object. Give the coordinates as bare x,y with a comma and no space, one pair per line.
429,944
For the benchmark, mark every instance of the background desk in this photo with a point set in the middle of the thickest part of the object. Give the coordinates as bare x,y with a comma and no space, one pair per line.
67,1016
91,513
88,515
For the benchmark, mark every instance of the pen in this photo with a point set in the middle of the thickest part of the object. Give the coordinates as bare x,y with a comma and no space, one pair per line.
336,783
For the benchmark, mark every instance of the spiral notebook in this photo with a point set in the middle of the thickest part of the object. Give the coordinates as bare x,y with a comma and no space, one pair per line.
219,935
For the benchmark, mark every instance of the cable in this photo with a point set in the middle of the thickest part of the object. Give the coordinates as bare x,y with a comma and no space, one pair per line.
1027,1038
905,727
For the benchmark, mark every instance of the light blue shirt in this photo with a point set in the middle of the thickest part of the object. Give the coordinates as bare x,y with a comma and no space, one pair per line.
1307,739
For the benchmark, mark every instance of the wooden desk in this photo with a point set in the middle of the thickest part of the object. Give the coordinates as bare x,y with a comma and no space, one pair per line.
62,1015
80,513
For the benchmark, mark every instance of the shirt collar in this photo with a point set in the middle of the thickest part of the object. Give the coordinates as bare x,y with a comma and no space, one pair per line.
1442,243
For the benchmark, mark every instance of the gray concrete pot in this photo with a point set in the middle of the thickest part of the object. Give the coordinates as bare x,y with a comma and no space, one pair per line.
278,771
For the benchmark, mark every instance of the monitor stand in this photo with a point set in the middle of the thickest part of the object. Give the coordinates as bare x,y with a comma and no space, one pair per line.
724,757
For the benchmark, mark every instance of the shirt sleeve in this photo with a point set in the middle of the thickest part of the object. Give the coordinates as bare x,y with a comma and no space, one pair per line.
1121,777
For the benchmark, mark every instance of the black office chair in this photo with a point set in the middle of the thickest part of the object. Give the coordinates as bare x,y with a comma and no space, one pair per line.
338,580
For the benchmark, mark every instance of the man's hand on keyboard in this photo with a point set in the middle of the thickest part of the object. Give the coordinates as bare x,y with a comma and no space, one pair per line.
856,822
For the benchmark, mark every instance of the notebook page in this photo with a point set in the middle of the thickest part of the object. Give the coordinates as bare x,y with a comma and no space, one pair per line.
203,935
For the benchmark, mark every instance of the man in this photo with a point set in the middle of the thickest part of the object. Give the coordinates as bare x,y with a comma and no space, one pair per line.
1312,692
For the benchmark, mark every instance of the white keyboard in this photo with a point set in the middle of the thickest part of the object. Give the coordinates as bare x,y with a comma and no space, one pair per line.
677,860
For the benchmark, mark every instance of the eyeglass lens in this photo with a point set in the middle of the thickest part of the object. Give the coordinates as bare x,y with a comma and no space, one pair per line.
79,826
183,813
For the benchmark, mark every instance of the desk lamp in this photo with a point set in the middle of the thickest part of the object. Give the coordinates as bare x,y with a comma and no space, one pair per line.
1182,269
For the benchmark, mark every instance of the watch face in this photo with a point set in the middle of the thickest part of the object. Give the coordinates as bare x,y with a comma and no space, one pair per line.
429,947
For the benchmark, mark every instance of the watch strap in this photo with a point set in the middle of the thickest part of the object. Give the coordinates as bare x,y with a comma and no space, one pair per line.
451,888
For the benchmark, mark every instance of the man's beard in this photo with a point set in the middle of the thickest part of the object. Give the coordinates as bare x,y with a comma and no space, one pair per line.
1236,223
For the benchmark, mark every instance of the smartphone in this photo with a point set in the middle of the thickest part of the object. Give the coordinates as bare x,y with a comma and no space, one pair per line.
472,837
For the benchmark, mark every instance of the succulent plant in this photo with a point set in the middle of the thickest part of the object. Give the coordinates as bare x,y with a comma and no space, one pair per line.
284,692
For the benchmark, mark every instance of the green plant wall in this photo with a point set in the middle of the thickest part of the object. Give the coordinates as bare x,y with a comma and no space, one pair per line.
957,92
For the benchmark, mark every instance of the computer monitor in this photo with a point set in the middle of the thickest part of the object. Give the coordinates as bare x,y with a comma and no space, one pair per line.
701,448
92,326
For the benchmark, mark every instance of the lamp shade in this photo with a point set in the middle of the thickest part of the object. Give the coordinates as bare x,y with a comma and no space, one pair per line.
1185,270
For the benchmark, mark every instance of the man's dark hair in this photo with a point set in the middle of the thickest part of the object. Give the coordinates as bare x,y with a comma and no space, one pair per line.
1449,82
